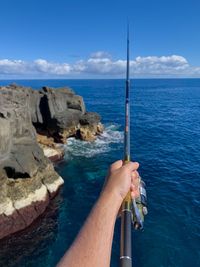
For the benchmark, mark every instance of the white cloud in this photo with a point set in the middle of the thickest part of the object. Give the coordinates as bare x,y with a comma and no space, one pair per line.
152,65
101,64
42,65
12,66
171,65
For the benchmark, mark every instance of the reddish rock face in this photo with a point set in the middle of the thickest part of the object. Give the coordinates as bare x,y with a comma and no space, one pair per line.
56,158
41,232
21,218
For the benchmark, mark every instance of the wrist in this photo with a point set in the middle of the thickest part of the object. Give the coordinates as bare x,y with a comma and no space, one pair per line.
113,196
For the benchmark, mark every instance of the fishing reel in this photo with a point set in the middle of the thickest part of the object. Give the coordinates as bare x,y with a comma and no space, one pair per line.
139,207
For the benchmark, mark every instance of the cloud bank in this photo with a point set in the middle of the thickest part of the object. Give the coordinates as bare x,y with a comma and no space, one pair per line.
100,64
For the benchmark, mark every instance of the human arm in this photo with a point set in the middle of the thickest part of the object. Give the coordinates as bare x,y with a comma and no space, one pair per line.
92,247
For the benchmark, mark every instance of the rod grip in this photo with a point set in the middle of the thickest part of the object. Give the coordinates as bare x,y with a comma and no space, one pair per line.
125,262
125,243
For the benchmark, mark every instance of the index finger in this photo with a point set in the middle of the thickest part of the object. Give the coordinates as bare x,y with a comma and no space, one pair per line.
131,166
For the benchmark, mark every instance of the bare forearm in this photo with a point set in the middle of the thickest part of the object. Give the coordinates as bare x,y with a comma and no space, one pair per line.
92,246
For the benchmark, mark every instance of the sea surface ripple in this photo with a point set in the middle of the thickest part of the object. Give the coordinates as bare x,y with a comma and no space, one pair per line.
165,139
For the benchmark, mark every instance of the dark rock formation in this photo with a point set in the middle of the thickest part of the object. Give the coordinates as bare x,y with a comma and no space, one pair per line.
31,123
27,177
59,113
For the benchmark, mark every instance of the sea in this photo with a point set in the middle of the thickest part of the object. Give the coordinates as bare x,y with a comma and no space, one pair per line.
165,140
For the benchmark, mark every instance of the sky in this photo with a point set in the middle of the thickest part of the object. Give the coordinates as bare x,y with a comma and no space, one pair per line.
87,39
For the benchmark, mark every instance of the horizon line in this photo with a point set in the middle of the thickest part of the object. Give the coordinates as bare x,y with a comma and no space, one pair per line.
147,78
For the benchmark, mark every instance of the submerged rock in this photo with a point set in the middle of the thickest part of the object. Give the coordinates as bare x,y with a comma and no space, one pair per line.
32,124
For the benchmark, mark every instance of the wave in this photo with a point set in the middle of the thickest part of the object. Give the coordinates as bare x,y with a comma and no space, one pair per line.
78,148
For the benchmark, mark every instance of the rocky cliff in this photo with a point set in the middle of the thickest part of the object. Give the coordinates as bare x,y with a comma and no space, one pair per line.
32,125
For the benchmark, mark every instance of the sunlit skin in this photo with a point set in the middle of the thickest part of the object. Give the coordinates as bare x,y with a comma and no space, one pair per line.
92,246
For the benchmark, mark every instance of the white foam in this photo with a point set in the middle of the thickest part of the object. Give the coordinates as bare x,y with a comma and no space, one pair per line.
101,145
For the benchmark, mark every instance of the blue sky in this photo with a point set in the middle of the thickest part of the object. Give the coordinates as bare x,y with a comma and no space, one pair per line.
77,39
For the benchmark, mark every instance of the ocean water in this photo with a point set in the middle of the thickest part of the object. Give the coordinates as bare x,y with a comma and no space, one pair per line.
165,139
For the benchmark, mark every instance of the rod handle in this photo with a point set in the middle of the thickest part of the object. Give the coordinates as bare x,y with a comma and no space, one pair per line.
125,262
125,242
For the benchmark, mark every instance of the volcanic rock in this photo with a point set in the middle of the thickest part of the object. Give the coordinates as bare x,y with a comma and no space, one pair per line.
33,123
27,178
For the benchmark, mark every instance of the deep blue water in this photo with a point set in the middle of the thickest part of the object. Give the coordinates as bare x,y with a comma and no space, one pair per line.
165,139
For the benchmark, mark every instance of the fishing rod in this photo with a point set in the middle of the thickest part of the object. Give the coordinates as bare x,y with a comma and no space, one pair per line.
132,211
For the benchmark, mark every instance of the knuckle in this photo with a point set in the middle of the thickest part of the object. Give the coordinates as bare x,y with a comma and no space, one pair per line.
134,174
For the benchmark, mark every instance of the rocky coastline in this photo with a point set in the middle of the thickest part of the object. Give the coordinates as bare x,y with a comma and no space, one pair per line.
33,126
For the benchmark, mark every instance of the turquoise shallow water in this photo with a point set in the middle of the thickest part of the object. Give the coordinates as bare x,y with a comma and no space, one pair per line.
165,138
